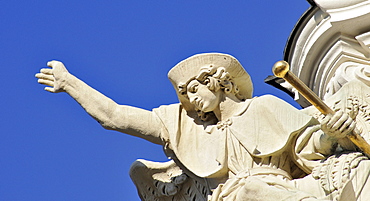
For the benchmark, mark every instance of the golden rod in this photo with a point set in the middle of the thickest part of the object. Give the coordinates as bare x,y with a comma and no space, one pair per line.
281,70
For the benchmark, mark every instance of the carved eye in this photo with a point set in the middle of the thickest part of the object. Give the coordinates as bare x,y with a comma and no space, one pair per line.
193,88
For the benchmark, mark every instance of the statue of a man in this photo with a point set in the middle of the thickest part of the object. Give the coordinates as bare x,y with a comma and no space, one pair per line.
246,148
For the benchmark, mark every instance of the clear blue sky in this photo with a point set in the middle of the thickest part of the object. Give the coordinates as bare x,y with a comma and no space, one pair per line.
50,149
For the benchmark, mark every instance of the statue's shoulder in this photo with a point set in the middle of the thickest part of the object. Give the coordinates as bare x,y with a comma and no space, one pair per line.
269,101
169,113
170,107
268,97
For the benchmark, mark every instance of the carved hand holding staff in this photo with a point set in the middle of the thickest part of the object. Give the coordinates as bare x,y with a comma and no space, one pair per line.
281,70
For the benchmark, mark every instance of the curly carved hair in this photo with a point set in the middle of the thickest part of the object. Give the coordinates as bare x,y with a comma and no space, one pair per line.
215,78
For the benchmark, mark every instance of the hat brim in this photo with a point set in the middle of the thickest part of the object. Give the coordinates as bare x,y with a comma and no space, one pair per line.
190,68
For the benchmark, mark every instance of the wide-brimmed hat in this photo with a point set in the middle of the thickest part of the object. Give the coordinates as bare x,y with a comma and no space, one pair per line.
190,68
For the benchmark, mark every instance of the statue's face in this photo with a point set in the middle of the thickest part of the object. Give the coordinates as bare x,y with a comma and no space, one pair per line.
203,98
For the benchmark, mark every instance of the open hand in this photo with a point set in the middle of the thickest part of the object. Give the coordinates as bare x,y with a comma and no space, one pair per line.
54,77
338,125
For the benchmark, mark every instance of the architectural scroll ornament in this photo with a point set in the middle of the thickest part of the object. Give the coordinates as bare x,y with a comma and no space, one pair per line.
332,36
345,73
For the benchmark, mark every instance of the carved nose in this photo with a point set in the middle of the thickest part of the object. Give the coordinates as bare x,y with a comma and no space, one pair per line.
192,99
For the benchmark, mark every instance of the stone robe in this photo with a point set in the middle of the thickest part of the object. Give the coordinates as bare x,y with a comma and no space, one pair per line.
259,141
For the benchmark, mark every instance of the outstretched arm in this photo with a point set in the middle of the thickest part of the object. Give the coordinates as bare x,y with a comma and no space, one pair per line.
126,119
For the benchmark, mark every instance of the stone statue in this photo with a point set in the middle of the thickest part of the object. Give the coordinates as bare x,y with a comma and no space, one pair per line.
227,145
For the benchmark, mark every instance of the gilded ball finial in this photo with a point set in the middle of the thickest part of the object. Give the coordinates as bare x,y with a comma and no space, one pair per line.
280,69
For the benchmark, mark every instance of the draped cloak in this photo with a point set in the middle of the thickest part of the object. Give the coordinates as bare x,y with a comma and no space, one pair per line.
265,127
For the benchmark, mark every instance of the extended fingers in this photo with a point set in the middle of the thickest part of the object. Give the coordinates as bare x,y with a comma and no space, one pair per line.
45,76
339,125
332,120
341,122
49,89
47,71
46,82
352,126
347,124
326,120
